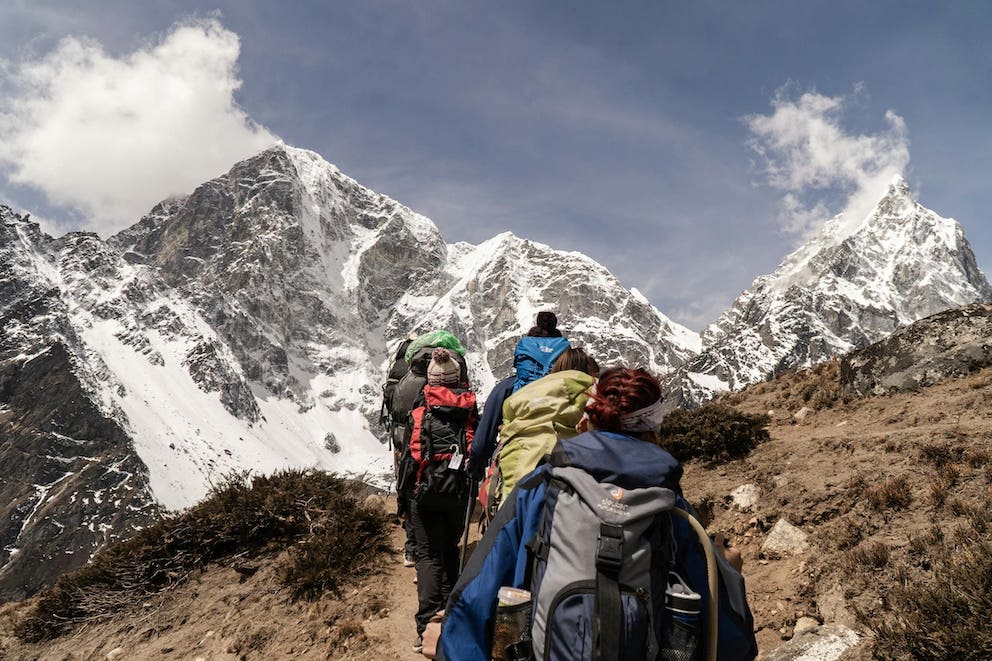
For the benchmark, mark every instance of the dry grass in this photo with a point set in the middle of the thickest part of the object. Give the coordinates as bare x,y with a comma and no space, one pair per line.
239,520
893,494
816,388
944,616
871,556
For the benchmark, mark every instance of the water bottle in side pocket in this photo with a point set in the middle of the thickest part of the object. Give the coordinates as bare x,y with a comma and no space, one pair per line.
511,630
682,634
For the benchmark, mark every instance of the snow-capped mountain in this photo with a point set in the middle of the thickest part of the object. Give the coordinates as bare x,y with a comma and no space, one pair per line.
70,480
854,282
247,326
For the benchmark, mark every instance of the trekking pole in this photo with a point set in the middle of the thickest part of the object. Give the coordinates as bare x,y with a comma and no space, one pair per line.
469,511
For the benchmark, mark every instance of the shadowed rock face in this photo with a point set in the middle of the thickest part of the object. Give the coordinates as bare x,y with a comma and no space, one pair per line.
953,343
69,480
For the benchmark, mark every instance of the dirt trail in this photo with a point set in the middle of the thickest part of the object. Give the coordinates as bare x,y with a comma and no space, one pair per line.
396,631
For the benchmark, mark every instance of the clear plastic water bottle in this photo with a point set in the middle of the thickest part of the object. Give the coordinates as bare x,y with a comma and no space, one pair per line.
682,637
511,635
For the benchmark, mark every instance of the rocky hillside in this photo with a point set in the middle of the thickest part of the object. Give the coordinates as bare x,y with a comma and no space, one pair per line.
852,515
71,481
853,283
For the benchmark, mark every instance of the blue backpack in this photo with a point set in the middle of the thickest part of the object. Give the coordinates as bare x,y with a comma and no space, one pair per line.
534,357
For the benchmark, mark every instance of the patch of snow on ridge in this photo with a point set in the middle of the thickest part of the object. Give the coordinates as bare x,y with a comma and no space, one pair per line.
317,174
688,338
708,381
189,440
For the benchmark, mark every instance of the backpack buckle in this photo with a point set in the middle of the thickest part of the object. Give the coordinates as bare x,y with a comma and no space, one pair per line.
609,552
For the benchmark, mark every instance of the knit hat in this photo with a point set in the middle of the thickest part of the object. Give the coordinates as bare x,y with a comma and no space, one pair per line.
443,370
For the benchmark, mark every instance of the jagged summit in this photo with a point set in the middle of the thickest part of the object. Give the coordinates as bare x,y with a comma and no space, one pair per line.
495,290
849,285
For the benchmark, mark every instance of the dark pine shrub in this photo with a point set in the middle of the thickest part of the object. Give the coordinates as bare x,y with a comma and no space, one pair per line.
714,433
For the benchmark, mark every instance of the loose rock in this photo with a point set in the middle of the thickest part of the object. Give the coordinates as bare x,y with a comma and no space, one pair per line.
785,539
823,643
745,497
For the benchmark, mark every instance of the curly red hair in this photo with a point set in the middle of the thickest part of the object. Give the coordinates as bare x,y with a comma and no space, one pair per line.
621,390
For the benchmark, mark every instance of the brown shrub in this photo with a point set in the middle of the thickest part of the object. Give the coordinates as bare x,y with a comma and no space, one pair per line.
941,454
848,534
892,494
944,617
977,458
958,507
920,546
715,433
242,517
939,488
872,556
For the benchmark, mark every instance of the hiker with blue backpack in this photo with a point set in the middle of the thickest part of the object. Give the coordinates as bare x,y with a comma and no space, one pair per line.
534,419
533,357
595,554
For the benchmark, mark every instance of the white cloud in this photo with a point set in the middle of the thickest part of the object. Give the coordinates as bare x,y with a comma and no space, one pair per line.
111,136
804,148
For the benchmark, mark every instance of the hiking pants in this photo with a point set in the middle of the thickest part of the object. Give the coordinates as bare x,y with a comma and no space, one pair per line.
410,545
438,522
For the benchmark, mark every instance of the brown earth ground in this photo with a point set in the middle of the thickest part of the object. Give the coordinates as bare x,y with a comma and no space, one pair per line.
823,471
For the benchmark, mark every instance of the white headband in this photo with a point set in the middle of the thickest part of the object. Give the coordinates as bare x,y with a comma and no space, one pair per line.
646,419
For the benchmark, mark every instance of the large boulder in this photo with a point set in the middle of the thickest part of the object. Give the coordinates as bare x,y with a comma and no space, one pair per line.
953,343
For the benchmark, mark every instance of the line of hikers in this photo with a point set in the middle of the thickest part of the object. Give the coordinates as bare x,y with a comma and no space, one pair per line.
589,550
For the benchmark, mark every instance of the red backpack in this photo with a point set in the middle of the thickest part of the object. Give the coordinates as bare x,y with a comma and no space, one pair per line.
441,427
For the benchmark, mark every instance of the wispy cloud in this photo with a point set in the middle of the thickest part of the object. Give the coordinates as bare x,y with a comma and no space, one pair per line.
110,136
805,151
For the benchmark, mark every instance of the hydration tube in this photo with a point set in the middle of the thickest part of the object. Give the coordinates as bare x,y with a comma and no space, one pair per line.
711,575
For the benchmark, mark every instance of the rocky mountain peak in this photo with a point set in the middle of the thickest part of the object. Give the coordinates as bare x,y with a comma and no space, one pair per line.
849,285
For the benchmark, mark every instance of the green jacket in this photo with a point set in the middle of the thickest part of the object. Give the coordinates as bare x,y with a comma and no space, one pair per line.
535,417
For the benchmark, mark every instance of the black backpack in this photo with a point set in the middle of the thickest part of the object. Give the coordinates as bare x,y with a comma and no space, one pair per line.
397,371
438,439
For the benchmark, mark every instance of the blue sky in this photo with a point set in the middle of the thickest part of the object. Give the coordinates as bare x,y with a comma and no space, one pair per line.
629,131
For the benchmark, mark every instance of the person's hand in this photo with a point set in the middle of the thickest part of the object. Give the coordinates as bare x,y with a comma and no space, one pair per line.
432,636
729,553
